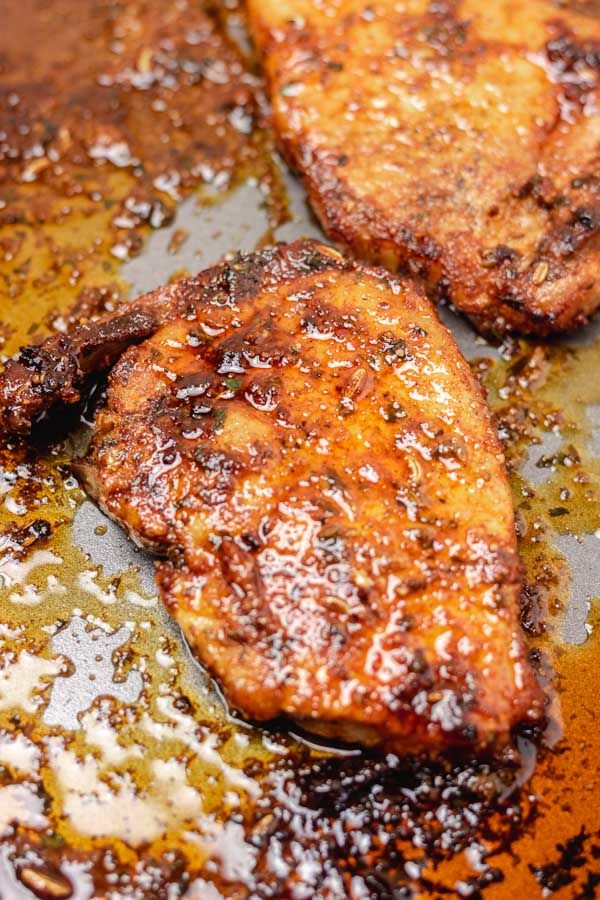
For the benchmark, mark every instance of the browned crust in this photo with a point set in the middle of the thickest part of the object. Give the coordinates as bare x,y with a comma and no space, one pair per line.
549,288
220,580
494,300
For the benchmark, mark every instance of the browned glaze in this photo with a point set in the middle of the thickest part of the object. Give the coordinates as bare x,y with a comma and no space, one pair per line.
154,793
457,139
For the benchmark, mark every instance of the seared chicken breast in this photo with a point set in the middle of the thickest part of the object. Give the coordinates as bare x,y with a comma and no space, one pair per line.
458,140
300,439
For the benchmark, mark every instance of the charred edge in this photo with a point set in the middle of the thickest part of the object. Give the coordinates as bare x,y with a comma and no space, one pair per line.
55,372
583,225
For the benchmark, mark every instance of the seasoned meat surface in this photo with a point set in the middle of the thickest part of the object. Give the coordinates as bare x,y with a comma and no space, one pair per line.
459,140
304,444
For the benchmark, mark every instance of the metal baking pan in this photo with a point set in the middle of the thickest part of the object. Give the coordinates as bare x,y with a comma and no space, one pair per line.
122,772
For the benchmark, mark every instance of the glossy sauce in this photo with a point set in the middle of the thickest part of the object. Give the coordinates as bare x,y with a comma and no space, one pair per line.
119,768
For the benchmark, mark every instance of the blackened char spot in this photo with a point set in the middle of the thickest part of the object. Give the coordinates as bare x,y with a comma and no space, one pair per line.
565,240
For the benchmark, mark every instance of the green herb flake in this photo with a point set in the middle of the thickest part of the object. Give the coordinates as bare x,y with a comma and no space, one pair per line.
232,383
220,416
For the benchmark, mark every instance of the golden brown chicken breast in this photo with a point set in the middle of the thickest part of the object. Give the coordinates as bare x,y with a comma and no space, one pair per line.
302,440
459,140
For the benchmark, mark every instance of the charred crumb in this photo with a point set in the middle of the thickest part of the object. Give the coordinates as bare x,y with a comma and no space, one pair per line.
20,541
572,856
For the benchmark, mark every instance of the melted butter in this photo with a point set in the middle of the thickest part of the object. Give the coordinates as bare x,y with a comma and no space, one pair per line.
553,390
112,736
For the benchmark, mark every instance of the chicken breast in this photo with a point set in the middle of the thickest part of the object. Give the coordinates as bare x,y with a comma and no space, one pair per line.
455,140
304,444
